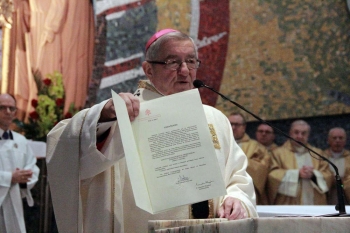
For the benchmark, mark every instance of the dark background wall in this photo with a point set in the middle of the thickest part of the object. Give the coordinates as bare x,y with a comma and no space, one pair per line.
319,128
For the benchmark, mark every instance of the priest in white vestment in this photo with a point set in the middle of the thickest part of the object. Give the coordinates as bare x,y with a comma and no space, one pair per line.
18,170
88,176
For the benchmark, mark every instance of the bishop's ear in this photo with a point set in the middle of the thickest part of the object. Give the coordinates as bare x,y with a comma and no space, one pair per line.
147,68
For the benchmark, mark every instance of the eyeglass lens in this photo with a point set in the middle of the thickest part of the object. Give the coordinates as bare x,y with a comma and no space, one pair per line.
264,131
4,108
191,64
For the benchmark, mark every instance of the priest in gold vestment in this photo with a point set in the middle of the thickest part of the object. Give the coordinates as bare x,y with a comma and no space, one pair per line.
346,179
265,134
337,154
297,176
257,154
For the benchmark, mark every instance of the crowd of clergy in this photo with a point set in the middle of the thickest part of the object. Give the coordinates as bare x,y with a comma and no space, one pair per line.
291,174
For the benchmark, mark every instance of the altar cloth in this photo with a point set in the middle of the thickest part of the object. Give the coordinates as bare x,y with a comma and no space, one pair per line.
272,218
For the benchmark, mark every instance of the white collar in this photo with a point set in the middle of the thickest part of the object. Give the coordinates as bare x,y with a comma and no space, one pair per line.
337,155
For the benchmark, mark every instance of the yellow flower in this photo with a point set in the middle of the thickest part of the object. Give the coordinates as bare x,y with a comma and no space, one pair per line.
48,108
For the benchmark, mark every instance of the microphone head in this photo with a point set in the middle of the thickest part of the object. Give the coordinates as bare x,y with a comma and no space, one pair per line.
198,83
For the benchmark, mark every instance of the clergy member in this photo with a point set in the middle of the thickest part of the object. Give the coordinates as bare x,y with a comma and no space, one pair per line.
18,172
87,171
298,176
337,154
257,154
265,134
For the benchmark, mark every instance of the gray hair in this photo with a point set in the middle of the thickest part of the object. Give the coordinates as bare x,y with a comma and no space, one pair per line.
336,128
300,122
155,48
244,121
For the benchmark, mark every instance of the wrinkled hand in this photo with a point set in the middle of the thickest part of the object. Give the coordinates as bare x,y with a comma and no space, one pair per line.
232,209
132,105
21,176
306,172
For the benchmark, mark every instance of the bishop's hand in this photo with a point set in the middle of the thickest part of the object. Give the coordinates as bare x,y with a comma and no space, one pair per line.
232,209
132,105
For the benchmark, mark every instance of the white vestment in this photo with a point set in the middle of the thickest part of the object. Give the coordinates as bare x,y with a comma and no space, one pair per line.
103,200
14,154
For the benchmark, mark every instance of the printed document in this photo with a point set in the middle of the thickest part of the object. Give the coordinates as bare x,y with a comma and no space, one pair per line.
169,152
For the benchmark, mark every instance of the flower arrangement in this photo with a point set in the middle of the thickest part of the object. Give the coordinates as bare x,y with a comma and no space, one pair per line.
48,108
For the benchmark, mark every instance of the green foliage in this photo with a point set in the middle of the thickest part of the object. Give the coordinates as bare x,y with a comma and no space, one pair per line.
48,108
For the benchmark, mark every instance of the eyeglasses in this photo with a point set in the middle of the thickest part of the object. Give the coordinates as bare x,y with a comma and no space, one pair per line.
192,63
236,124
264,131
4,108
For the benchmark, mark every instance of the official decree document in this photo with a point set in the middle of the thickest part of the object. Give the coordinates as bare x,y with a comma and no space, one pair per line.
169,152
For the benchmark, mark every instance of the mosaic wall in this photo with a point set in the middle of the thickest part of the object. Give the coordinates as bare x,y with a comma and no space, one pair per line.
289,58
280,59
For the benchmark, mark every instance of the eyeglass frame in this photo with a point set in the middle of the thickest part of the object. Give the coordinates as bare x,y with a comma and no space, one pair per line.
264,131
4,108
178,62
236,124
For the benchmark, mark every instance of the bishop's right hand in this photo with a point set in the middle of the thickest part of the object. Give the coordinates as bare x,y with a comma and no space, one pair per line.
132,105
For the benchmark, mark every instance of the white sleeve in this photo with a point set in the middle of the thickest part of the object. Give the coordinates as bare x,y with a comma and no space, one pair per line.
289,183
233,163
94,161
103,127
5,178
321,185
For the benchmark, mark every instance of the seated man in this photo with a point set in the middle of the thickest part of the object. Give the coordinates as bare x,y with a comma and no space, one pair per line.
258,156
90,185
337,154
298,176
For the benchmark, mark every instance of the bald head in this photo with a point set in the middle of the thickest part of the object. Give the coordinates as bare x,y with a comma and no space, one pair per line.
7,96
337,139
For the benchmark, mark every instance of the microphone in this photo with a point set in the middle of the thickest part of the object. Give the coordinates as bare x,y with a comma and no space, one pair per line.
198,83
340,191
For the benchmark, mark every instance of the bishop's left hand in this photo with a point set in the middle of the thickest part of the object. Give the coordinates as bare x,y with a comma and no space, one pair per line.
232,209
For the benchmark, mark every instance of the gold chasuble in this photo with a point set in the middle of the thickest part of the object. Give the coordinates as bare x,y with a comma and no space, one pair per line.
258,166
346,179
284,185
341,161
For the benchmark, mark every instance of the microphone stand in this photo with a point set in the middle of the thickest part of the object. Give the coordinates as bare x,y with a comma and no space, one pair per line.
340,207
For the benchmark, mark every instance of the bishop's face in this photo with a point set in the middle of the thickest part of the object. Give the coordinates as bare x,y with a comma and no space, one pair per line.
169,81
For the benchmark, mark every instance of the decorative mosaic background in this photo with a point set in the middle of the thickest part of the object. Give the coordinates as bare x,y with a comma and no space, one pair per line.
280,59
289,58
